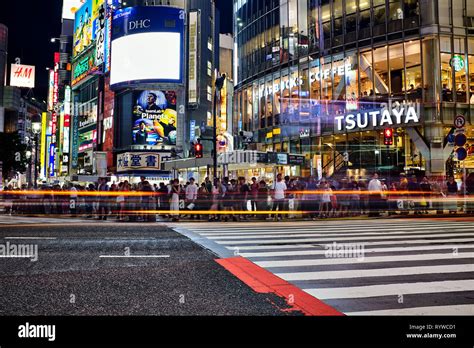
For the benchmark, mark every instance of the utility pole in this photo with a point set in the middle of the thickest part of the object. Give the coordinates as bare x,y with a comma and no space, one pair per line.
217,90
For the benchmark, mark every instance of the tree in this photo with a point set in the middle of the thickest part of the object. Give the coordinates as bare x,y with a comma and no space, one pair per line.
12,154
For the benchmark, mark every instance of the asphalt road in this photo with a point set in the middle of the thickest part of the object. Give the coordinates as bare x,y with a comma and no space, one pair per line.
87,268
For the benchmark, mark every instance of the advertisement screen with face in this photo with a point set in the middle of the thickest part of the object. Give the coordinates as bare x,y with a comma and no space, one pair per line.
154,118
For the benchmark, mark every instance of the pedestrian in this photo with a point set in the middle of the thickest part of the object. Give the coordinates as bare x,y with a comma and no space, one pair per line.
354,206
254,186
262,199
452,194
326,193
216,200
470,193
191,197
278,194
244,192
311,199
375,195
175,192
425,203
413,188
103,205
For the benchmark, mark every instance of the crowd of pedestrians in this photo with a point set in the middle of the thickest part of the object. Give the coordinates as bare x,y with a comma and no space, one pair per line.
238,199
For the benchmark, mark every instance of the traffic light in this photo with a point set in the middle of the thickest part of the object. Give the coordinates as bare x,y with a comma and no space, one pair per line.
198,150
388,136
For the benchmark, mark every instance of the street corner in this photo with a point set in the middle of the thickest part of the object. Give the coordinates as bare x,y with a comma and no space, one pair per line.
296,301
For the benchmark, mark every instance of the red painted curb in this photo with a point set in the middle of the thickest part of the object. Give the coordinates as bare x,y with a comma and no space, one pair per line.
263,281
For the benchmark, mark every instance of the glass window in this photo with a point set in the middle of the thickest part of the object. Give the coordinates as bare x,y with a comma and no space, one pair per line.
261,97
364,24
413,79
444,11
304,93
458,13
314,25
284,32
326,85
379,19
315,88
366,76
397,83
446,77
276,98
293,27
352,80
255,106
446,70
285,97
303,26
269,100
339,90
295,94
381,73
460,69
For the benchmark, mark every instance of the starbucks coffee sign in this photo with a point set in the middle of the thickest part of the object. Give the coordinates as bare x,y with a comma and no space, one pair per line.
401,115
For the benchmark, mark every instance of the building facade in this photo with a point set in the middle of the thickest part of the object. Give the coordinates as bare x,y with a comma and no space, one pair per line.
325,78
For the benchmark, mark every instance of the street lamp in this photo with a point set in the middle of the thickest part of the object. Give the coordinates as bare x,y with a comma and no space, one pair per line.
36,127
219,85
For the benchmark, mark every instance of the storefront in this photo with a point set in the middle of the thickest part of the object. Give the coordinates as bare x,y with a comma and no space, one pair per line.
316,93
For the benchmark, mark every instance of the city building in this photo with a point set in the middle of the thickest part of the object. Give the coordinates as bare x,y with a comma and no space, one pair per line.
164,58
326,78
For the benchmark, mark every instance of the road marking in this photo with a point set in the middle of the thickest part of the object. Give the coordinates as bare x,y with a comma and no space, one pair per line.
280,245
32,238
379,272
331,239
362,260
392,289
435,310
263,281
255,254
329,235
134,256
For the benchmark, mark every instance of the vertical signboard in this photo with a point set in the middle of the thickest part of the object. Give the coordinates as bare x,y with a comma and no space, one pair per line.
193,93
44,122
50,90
99,22
75,142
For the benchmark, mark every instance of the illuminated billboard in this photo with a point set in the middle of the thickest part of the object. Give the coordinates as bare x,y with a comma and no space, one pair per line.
83,33
22,75
70,8
147,45
154,118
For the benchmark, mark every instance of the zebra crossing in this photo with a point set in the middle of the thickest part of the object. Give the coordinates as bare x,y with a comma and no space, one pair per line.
360,267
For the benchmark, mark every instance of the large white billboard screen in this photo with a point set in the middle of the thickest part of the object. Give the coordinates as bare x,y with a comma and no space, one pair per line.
146,57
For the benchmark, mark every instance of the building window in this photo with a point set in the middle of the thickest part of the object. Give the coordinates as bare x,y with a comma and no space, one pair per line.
209,93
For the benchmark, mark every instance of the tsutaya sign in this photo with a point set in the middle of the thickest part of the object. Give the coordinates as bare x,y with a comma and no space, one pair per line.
387,116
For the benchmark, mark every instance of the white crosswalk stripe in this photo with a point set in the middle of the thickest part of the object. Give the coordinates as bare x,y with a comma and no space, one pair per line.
376,267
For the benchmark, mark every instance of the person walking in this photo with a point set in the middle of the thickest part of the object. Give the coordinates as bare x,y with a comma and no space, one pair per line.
191,197
375,196
262,199
452,194
278,194
175,191
103,205
244,193
425,187
254,186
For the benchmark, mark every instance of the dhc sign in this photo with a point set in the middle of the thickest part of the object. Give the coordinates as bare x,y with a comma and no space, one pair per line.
141,24
387,117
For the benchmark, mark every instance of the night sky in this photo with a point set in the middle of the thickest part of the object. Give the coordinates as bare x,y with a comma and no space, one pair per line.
32,23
